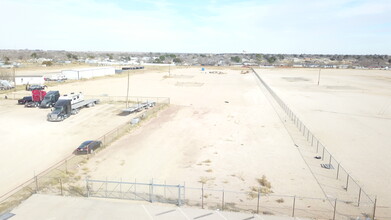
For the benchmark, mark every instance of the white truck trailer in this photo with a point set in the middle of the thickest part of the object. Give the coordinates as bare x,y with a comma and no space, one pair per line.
68,105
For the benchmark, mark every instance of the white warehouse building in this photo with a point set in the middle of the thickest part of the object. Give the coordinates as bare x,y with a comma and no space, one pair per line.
29,79
88,73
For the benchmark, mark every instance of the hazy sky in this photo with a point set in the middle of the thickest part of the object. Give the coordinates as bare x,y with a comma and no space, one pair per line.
202,26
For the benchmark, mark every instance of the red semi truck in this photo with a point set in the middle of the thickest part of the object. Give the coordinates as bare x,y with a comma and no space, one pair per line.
37,96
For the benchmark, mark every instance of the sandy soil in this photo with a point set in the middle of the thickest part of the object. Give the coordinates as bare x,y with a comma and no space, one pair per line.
350,112
30,144
220,128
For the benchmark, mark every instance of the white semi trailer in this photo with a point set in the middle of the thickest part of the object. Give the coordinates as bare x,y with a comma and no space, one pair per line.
68,105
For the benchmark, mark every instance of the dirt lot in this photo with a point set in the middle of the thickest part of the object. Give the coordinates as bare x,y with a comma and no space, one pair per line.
350,112
220,129
30,144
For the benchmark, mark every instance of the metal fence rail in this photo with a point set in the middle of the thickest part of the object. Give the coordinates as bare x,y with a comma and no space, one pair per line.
60,178
151,192
221,199
350,185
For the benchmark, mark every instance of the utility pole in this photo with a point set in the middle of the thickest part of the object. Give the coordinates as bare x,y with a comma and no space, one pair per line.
319,77
127,92
13,70
169,69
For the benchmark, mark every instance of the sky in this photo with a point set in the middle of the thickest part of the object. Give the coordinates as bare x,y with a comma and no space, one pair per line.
199,26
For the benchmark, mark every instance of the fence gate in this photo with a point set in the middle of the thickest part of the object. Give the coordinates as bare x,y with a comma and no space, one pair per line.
151,192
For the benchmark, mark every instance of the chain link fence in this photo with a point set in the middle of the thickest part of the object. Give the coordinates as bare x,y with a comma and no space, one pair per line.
202,197
361,199
61,178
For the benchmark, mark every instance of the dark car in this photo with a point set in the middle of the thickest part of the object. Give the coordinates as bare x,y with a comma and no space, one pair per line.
88,147
35,87
31,104
25,99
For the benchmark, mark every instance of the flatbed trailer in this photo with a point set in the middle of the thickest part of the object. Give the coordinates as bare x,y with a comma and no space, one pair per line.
64,108
139,106
85,103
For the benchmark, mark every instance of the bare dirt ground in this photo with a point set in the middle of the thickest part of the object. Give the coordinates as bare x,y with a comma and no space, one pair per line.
220,129
350,112
30,144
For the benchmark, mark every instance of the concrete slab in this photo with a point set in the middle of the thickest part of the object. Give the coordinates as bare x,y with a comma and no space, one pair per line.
41,206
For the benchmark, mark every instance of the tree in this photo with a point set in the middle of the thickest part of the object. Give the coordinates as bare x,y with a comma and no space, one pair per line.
7,60
110,56
162,58
259,56
34,55
271,59
157,60
177,60
72,56
172,56
236,59
47,63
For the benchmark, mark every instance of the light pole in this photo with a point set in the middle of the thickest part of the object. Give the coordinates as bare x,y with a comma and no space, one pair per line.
319,77
127,92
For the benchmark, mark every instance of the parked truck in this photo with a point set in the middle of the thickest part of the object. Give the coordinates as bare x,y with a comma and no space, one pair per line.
37,97
50,99
5,85
68,105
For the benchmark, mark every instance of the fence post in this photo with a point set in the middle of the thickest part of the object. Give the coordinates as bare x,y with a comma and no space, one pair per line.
202,196
323,154
184,191
222,202
60,186
106,187
347,183
120,189
36,184
66,166
294,204
359,197
335,209
179,195
88,188
259,196
165,189
338,170
135,188
374,208
151,191
317,145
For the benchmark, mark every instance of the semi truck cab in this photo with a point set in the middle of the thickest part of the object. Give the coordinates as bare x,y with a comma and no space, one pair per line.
50,99
62,110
